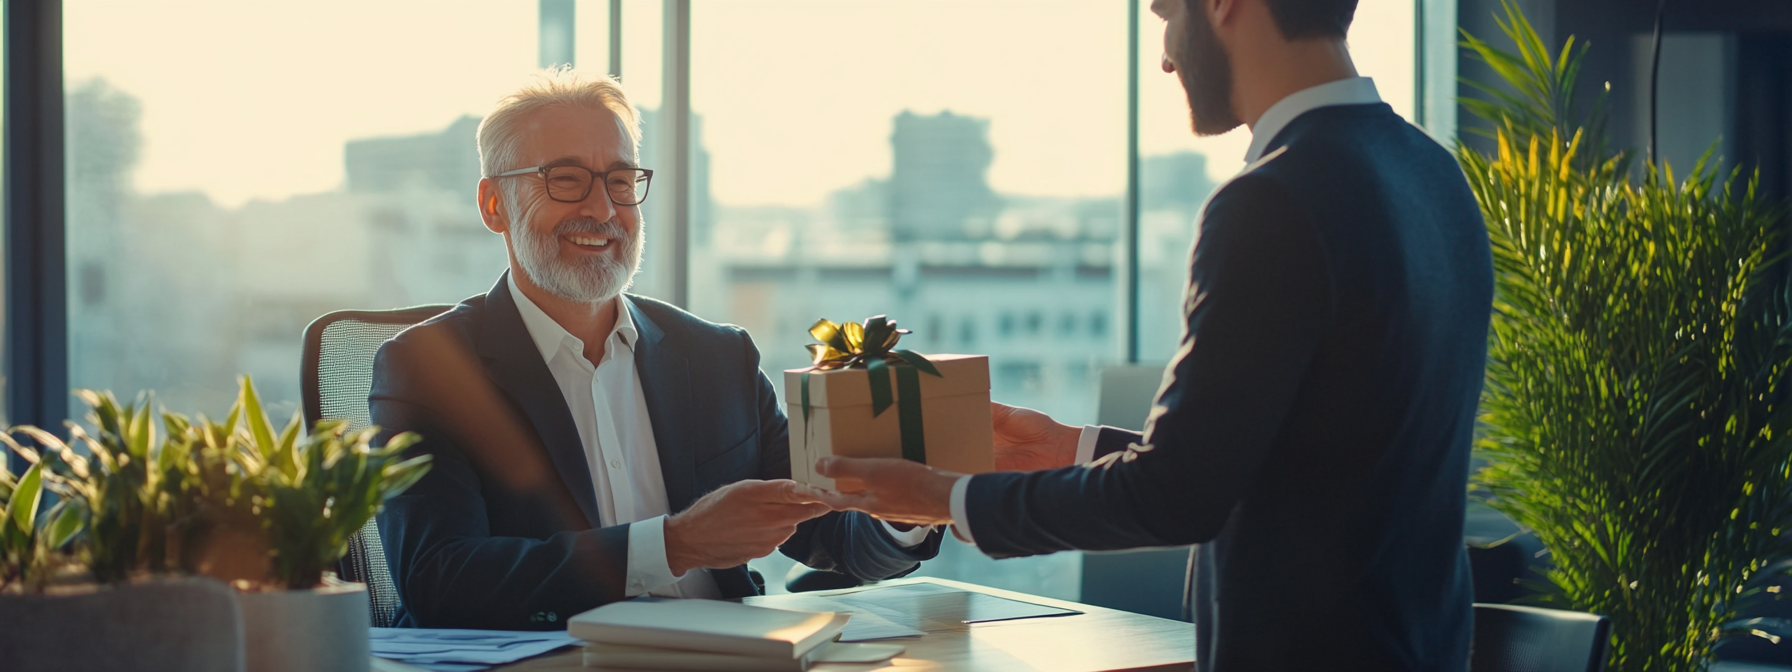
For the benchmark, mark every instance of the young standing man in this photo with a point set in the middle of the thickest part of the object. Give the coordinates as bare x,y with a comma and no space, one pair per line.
1313,431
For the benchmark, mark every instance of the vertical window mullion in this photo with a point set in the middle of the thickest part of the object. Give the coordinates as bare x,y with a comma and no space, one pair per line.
1130,218
36,284
676,108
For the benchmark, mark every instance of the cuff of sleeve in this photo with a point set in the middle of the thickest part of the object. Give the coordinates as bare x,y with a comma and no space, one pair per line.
910,539
647,565
961,521
1085,444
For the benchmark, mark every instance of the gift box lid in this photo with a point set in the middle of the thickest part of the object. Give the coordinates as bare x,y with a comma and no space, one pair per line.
959,374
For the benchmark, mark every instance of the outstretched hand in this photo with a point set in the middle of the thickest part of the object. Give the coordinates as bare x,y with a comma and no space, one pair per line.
894,490
1027,440
738,522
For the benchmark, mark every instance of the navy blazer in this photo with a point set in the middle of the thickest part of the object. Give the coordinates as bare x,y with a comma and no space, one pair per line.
1315,425
503,532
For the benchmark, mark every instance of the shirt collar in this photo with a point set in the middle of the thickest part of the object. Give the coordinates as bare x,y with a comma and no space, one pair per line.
1351,91
549,335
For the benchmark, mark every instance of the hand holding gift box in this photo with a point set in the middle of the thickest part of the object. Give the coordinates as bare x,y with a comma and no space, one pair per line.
864,398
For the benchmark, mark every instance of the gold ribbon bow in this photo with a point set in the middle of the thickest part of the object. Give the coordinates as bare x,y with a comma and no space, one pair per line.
871,346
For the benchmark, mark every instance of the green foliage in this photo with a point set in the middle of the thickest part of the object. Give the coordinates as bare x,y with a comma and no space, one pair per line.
31,539
1541,98
1635,414
311,494
231,500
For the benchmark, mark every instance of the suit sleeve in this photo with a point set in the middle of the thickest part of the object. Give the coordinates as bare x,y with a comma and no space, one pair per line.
451,571
1258,300
847,542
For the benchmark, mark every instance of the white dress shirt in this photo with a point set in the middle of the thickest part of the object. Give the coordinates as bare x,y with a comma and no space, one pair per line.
617,434
611,415
1349,91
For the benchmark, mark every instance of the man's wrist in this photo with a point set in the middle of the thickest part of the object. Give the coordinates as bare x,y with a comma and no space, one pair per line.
1085,444
676,559
648,568
961,520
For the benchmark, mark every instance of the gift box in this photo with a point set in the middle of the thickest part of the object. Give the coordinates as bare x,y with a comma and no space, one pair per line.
932,409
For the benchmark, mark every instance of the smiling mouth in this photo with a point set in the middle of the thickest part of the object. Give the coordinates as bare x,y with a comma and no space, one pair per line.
597,242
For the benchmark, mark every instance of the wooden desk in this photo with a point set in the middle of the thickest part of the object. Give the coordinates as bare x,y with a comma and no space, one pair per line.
1099,639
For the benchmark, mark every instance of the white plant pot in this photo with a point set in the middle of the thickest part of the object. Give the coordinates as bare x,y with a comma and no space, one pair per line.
319,630
185,624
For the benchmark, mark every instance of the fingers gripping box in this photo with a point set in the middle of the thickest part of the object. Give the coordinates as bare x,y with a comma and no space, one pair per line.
954,417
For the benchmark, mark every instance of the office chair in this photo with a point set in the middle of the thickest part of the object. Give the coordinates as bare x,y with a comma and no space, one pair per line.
335,374
1510,638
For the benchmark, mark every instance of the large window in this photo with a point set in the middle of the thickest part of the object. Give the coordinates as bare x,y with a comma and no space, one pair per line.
957,165
237,169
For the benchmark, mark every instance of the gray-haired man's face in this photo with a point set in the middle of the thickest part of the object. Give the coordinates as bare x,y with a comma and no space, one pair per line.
587,251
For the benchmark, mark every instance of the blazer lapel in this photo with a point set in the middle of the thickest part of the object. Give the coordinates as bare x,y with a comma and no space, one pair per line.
666,385
514,363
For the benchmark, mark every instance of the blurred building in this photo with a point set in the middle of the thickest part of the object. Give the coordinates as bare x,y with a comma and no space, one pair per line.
1027,280
447,160
939,185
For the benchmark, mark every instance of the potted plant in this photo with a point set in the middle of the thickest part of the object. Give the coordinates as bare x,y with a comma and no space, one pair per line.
46,593
232,501
1637,414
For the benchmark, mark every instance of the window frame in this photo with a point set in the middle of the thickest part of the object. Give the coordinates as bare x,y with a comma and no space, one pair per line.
35,229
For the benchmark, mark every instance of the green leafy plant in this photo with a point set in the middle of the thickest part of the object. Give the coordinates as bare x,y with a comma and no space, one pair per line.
29,542
231,500
1636,414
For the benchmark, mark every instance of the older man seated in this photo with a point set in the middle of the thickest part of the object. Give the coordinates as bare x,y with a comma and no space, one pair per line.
590,445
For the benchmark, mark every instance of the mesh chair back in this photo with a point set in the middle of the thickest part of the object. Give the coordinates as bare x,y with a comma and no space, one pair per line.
1510,638
336,373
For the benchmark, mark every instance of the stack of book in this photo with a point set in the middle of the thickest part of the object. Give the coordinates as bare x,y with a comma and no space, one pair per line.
705,635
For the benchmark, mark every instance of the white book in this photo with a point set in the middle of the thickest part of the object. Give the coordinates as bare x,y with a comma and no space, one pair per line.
616,657
708,625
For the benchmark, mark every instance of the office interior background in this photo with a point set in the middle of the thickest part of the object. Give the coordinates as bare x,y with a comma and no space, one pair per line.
189,183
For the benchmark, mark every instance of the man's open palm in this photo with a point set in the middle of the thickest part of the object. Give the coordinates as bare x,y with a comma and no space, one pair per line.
738,522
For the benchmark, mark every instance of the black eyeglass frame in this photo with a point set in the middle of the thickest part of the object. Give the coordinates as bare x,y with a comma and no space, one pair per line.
597,176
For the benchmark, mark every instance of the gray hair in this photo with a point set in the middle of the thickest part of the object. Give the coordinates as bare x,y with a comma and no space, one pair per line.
554,87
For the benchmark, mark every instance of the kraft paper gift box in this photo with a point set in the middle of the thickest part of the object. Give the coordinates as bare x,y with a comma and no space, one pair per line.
954,417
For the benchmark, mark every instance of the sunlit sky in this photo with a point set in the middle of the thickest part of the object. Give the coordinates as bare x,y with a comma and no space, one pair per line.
804,90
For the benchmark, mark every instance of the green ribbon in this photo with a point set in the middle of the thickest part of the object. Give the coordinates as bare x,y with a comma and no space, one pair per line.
871,346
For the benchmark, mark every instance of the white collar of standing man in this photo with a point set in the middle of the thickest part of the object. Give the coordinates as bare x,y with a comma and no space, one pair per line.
549,335
1350,91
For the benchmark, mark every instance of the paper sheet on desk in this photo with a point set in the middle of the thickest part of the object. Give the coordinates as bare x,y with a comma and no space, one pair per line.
909,610
456,650
933,601
865,625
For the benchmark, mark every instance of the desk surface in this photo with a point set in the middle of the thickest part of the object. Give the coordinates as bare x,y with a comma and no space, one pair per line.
1097,639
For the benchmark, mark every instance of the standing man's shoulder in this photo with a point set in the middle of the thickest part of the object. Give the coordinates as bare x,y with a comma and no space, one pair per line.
1350,152
1353,172
1263,200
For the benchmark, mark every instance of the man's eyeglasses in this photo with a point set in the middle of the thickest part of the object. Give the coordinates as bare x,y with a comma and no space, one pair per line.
572,184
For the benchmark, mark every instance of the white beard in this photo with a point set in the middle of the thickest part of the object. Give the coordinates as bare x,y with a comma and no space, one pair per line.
594,281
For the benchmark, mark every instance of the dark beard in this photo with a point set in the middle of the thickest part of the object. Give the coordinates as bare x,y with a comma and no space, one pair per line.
1206,73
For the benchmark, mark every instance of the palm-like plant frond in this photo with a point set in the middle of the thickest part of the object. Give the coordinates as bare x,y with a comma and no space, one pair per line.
1635,412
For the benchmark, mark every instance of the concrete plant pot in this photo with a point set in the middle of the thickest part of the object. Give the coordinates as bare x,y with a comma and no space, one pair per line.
319,630
185,624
